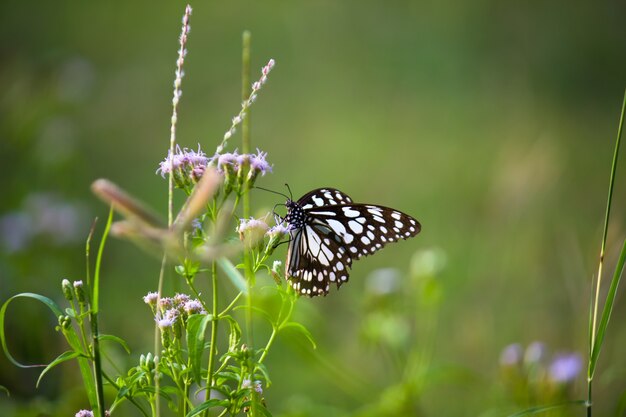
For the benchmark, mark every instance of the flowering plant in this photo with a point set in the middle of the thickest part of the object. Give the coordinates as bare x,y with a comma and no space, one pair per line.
190,368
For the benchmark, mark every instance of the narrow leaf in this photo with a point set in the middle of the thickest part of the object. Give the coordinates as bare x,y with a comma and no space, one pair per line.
543,408
111,338
233,274
299,327
196,329
607,309
206,405
63,357
56,310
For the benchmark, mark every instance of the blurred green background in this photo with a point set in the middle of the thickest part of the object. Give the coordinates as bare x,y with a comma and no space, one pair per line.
491,122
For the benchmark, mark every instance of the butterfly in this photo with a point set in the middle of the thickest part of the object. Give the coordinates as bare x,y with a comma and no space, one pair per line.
329,231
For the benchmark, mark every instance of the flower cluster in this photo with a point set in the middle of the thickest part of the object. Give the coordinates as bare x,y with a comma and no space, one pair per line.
240,171
533,373
171,313
186,165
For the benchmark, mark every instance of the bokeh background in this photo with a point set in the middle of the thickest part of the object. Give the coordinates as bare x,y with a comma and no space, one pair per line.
491,122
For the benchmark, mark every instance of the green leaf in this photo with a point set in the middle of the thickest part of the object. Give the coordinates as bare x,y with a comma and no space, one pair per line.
63,357
258,407
299,327
196,329
234,336
261,368
119,340
543,408
233,274
206,405
56,310
607,310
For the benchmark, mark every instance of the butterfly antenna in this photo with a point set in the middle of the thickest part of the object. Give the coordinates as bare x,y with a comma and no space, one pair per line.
272,191
290,193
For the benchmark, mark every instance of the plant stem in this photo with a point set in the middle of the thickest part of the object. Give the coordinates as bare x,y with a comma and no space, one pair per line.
93,317
596,294
210,378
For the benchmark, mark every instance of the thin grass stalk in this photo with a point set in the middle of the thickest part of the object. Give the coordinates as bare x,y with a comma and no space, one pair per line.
597,336
213,352
93,318
245,139
170,189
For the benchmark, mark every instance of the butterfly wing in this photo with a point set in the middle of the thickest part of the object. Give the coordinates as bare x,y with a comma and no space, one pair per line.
334,234
323,197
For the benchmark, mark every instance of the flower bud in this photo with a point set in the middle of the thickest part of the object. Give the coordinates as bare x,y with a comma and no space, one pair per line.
79,290
67,290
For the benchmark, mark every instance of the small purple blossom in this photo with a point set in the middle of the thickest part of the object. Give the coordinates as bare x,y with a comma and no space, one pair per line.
84,413
279,230
180,299
182,160
258,164
151,298
227,160
166,303
193,307
535,353
252,230
164,322
565,367
511,355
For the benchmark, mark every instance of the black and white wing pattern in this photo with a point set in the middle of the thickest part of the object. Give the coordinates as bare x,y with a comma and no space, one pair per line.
329,231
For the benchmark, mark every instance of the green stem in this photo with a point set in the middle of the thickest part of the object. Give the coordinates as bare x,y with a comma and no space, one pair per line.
213,350
592,333
95,303
268,345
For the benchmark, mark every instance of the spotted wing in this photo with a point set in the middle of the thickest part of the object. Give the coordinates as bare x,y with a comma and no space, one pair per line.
323,197
316,258
322,251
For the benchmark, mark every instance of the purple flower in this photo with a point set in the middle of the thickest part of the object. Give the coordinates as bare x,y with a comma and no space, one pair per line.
84,413
193,307
164,322
151,298
258,164
511,355
180,299
251,231
565,367
183,160
535,353
279,231
227,161
166,303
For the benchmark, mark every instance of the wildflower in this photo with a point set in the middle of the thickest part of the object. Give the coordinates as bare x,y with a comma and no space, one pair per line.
258,165
511,355
166,303
276,234
164,323
252,231
535,353
246,383
565,368
186,165
151,298
193,307
180,299
258,387
84,413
